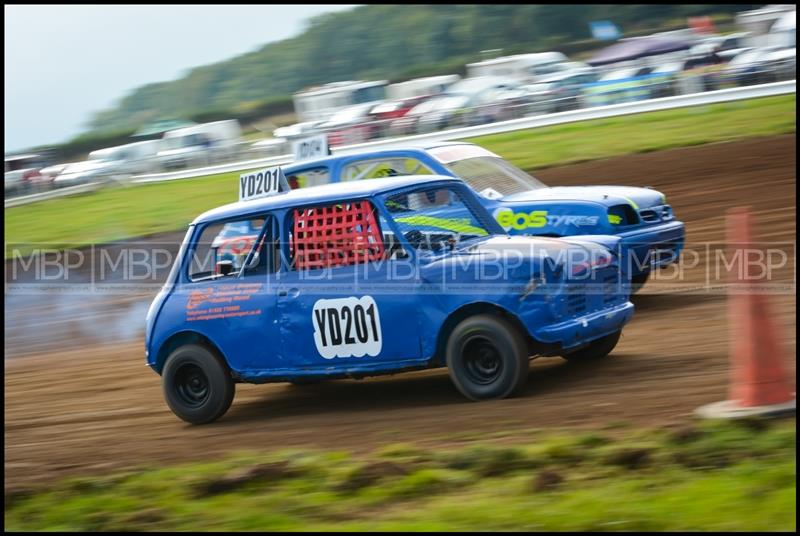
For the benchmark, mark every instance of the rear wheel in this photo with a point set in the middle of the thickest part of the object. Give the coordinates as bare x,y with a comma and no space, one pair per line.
596,349
487,358
197,384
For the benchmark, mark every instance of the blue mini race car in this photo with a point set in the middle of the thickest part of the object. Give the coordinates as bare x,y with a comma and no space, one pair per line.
651,236
376,277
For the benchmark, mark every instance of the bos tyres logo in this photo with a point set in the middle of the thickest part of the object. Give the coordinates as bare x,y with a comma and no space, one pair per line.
509,219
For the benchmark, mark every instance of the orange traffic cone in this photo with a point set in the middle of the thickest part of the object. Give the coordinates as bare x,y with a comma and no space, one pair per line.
759,384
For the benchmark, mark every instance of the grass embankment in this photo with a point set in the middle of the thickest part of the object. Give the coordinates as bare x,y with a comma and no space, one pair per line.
138,210
713,476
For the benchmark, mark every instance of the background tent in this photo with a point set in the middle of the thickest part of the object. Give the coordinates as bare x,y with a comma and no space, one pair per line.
636,48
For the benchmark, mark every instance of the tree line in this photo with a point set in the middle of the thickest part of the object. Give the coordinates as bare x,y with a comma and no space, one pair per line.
393,42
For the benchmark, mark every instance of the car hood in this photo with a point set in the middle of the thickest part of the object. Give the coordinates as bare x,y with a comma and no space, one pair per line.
540,246
523,257
605,195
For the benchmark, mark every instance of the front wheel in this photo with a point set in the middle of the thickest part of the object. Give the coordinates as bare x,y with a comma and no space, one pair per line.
596,349
487,358
197,385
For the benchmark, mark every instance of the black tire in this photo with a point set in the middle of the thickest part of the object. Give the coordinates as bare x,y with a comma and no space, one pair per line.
487,357
197,384
638,281
596,349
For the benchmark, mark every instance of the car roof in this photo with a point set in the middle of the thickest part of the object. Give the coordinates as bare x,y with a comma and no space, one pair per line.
325,193
421,146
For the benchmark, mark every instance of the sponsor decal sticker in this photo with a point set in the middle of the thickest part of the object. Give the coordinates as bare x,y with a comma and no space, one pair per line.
509,219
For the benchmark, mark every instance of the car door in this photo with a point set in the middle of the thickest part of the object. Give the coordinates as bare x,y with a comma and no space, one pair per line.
353,305
235,310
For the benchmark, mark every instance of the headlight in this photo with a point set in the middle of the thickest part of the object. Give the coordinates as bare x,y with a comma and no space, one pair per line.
622,215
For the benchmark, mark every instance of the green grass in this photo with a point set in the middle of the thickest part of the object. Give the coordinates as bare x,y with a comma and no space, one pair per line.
655,131
138,210
711,476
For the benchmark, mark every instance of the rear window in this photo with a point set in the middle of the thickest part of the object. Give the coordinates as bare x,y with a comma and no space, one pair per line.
384,167
309,177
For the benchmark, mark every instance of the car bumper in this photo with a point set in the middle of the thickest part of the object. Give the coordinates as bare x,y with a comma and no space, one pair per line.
652,247
583,329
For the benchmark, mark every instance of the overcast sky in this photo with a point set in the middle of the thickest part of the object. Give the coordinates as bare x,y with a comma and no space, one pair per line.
64,62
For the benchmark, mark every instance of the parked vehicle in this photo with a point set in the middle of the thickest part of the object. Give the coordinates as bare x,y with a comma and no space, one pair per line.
48,175
82,172
560,91
419,87
351,125
270,147
471,101
388,115
298,130
623,85
316,296
752,66
524,68
783,63
125,160
722,45
21,172
320,103
199,145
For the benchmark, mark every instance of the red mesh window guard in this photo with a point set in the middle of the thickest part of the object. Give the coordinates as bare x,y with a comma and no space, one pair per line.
336,235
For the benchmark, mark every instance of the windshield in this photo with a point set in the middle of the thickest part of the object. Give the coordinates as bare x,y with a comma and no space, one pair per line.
435,218
180,142
492,172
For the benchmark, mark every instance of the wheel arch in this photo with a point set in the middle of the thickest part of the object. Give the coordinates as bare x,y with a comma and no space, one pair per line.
182,338
477,308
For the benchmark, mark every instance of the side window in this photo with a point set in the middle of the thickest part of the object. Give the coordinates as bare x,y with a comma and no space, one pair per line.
384,167
434,218
222,248
267,256
309,177
341,234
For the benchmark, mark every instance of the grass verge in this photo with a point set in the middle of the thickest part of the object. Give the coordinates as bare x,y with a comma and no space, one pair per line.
124,212
708,476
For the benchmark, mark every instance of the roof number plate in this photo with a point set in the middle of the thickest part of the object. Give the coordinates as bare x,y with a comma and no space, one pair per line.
262,183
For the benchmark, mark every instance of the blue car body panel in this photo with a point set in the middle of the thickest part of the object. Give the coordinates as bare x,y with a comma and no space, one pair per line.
270,335
557,211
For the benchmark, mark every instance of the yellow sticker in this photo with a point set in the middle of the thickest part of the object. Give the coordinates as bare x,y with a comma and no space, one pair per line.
522,220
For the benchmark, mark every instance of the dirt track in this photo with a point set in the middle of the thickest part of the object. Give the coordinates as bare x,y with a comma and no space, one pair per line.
99,408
